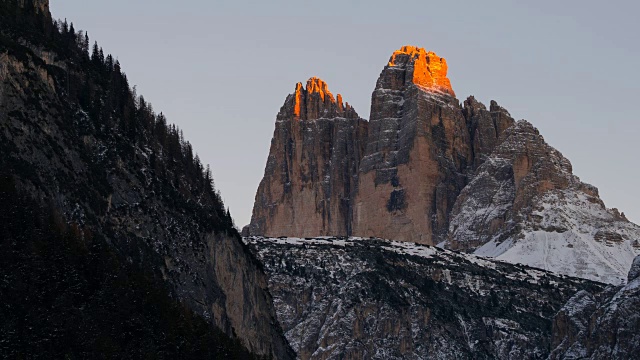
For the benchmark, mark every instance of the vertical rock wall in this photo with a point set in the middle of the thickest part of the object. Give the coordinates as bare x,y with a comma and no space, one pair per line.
312,167
417,151
329,172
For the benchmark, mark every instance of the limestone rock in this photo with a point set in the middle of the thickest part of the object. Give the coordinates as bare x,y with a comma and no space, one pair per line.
312,167
417,152
485,127
354,298
524,205
522,167
634,273
425,69
602,325
429,170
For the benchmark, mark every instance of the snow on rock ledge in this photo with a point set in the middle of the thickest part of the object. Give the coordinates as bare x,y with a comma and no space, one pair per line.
369,298
524,205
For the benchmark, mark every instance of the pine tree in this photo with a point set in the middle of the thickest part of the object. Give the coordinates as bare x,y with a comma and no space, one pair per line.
207,177
109,63
86,45
95,54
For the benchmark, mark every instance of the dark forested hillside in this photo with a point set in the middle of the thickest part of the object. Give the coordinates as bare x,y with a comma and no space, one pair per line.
67,294
114,240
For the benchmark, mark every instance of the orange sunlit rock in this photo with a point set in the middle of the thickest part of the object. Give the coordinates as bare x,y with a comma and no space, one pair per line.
298,100
428,69
316,101
340,106
317,85
313,161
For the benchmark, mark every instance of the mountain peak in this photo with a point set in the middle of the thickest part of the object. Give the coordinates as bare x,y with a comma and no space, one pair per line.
427,70
315,101
317,85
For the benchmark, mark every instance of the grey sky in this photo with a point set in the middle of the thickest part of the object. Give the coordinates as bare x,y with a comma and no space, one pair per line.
221,70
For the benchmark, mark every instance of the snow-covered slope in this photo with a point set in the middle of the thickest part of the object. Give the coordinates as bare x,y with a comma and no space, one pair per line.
524,205
588,241
355,298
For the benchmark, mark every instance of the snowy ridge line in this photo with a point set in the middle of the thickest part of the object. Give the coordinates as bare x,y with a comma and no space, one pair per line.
527,273
337,293
565,240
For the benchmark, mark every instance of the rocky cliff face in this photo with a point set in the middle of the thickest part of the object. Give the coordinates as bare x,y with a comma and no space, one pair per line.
600,325
329,173
106,172
396,178
524,205
311,172
417,152
485,127
430,170
354,298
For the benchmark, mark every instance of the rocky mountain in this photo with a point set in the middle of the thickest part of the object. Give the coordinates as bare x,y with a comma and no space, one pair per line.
600,325
524,205
311,172
113,240
427,169
355,298
417,152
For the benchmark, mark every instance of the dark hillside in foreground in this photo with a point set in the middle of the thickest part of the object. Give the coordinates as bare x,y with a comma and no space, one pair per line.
67,294
114,240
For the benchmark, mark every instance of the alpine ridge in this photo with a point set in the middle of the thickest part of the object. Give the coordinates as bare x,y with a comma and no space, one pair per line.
355,298
428,169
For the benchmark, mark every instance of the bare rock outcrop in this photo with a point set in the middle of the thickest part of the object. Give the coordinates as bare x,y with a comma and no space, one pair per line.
417,151
485,127
524,205
354,298
331,173
430,170
521,168
603,325
312,167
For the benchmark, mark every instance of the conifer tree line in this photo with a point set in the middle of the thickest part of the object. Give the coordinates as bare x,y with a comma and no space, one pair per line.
97,83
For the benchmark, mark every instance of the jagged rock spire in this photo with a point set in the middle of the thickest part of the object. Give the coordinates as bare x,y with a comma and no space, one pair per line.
313,102
431,170
311,171
424,68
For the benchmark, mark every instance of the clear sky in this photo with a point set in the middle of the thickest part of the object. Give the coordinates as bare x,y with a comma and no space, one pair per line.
221,70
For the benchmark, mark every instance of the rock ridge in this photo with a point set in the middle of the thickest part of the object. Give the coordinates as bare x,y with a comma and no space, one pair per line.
428,169
313,102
